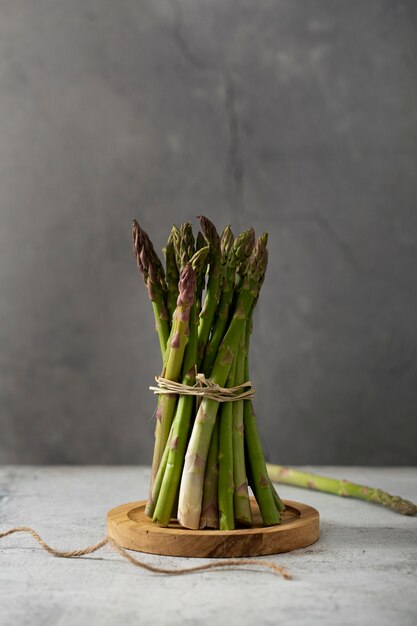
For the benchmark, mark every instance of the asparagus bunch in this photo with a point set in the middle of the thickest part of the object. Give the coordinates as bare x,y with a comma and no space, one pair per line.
206,452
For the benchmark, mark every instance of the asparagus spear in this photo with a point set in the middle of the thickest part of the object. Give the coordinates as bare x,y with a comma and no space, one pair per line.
191,488
172,273
210,509
153,274
270,504
298,478
213,287
185,247
180,252
227,239
233,253
155,486
200,243
243,513
243,250
180,327
226,484
165,498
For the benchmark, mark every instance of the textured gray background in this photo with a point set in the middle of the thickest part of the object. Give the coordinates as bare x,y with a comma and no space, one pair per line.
297,117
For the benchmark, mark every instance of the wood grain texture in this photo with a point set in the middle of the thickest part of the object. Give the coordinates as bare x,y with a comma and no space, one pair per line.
131,528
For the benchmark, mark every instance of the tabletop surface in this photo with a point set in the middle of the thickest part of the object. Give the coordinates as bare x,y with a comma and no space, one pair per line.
361,571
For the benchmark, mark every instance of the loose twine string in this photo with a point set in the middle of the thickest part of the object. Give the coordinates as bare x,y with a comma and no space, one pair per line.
69,554
204,387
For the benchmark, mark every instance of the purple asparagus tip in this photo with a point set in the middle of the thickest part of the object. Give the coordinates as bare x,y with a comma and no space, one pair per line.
186,286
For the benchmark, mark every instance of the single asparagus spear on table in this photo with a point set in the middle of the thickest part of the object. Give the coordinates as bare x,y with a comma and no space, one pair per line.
298,478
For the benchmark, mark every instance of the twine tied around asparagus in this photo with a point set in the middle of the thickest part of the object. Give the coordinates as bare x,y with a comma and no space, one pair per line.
68,554
205,388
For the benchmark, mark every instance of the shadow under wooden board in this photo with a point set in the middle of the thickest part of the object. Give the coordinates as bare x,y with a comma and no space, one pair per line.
128,525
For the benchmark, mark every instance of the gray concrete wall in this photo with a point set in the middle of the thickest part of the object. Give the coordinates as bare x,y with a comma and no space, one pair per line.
299,118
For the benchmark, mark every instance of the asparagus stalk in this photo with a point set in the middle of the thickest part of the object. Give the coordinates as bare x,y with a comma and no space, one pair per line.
153,274
172,273
226,246
210,509
155,486
213,287
180,252
185,247
269,502
201,243
278,502
191,488
180,328
243,250
298,478
233,253
243,513
226,484
165,499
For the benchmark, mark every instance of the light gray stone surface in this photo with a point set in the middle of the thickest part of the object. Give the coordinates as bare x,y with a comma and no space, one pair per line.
362,570
298,117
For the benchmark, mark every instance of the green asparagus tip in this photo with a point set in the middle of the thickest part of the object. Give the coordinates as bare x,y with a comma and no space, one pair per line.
172,234
135,237
242,248
258,261
199,260
265,236
210,233
405,507
186,245
200,241
200,263
226,242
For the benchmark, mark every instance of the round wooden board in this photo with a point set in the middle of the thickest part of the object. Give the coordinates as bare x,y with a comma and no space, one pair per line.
130,527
